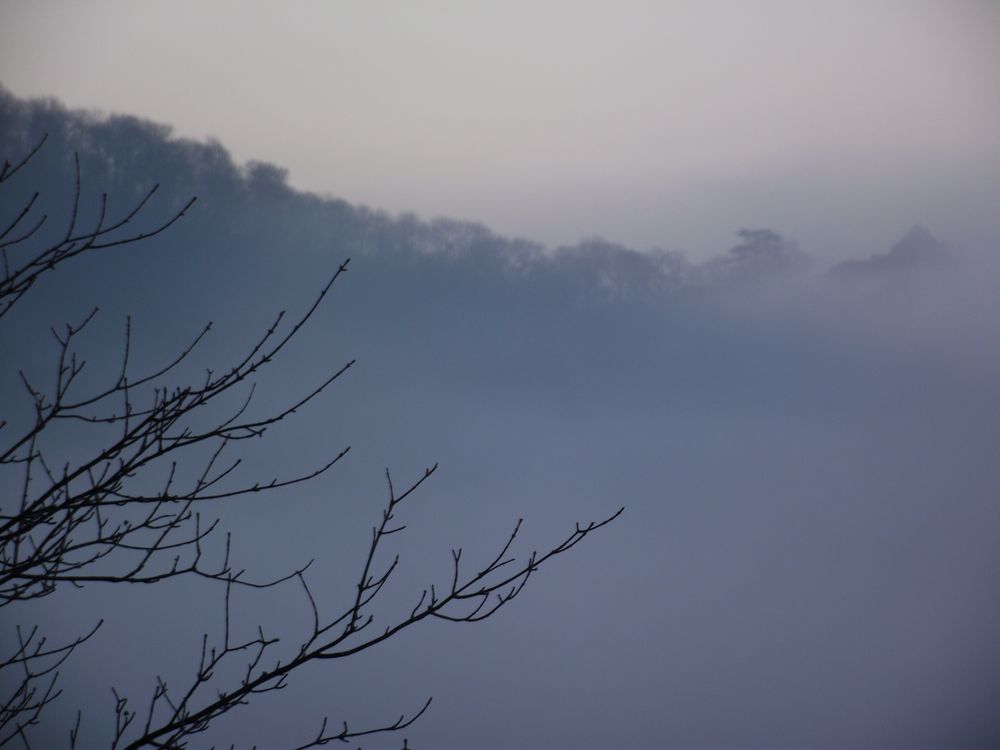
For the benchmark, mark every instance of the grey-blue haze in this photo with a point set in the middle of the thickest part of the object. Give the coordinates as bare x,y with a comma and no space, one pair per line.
809,460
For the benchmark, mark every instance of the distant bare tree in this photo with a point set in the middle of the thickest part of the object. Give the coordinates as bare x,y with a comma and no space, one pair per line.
94,520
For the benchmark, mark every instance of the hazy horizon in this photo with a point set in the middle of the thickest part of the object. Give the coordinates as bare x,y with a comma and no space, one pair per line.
651,124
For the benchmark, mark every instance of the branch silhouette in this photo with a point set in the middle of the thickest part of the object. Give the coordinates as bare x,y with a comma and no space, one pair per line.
96,520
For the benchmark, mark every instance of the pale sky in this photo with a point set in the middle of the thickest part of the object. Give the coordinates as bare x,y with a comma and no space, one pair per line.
650,123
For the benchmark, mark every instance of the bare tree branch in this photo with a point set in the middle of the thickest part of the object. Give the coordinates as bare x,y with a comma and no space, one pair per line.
127,508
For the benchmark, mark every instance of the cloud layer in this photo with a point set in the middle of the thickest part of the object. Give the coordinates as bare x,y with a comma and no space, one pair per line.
807,456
